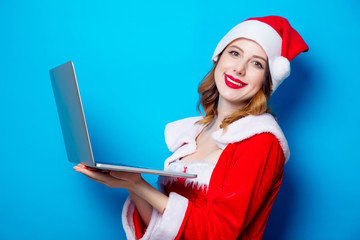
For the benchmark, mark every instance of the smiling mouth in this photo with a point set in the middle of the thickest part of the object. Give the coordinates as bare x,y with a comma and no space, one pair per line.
233,82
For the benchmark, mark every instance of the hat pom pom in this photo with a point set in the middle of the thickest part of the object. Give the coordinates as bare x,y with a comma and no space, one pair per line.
280,69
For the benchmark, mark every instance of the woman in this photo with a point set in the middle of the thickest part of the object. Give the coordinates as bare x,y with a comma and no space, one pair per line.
237,149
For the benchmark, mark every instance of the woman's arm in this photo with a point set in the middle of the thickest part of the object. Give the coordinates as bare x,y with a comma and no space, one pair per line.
143,194
143,207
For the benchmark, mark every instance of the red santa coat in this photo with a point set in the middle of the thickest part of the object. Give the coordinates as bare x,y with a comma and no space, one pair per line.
229,200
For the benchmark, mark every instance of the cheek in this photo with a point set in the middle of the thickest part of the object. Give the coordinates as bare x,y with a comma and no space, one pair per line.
225,62
218,78
219,72
258,79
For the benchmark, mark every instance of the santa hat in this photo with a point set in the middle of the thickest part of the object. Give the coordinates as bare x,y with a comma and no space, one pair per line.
275,35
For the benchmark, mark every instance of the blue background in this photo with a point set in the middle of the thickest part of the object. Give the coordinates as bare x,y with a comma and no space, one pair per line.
138,65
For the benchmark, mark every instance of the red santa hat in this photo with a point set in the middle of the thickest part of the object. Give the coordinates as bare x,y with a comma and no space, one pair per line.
275,35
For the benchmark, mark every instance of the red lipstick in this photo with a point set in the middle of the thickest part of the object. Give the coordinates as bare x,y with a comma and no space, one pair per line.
234,83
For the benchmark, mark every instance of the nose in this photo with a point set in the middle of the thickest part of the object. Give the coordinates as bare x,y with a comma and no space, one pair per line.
240,68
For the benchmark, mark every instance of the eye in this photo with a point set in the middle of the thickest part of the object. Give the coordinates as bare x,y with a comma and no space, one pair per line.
234,53
258,64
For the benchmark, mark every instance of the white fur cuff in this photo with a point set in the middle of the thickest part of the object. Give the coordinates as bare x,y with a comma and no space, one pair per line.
164,226
127,219
172,218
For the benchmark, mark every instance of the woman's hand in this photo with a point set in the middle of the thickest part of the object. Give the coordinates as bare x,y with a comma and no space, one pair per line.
133,182
113,179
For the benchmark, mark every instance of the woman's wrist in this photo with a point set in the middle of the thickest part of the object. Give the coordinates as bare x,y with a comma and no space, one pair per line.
139,186
147,192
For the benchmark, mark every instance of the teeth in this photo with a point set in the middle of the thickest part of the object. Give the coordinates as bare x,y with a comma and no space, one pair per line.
233,82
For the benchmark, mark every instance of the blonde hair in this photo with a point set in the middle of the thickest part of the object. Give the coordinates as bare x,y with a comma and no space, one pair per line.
209,97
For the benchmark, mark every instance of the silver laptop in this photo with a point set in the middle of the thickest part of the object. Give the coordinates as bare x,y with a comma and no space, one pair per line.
73,124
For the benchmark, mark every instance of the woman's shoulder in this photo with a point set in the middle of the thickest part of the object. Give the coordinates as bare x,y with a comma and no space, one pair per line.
261,139
262,148
184,131
252,127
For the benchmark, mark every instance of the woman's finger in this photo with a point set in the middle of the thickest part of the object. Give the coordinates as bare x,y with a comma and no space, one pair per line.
89,168
126,176
103,178
94,174
97,180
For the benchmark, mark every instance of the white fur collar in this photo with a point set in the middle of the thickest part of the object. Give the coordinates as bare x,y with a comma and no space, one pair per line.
185,131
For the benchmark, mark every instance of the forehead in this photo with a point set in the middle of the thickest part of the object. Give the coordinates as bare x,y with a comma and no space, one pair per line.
248,46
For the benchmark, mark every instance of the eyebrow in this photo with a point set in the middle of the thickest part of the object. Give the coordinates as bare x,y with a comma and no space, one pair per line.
256,56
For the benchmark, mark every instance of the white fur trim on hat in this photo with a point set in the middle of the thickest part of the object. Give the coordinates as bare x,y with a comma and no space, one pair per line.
254,30
280,69
267,38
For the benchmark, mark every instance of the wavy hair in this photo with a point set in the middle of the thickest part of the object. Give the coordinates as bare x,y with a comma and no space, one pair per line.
209,97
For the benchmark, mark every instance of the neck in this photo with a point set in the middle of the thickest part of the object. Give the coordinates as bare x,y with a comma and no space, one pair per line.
224,110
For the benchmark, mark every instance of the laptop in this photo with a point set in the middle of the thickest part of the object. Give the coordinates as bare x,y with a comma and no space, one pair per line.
73,124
